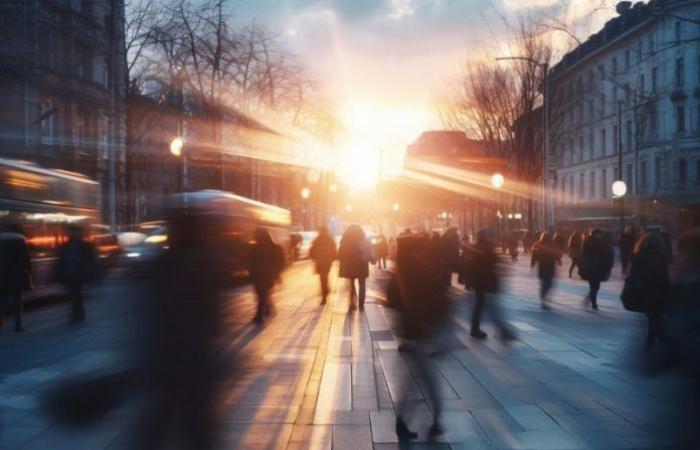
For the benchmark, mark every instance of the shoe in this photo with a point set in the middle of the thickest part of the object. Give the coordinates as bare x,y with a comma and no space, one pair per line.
436,430
352,307
595,306
323,302
406,348
362,307
402,430
478,334
545,307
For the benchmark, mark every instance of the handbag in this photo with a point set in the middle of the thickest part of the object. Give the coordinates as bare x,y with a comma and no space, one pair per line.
632,295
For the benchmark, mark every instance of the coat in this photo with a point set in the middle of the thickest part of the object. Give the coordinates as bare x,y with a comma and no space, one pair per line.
575,245
266,262
650,269
354,256
323,253
482,271
597,259
76,263
15,264
546,256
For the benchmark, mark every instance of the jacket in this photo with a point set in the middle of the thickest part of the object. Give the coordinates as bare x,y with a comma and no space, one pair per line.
15,263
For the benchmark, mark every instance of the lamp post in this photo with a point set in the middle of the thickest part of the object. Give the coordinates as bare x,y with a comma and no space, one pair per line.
547,200
497,181
619,190
177,147
305,194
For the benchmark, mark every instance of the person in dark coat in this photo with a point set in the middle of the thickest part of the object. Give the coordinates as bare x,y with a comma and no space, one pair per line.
355,254
265,265
513,244
381,251
650,270
574,248
323,252
528,241
423,309
597,259
448,254
76,267
483,276
668,245
627,240
15,273
546,254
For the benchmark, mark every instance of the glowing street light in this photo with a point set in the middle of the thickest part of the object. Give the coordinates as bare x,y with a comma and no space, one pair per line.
497,180
348,207
619,189
176,146
396,206
305,193
333,187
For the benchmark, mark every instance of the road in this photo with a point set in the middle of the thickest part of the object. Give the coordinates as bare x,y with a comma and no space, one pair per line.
321,378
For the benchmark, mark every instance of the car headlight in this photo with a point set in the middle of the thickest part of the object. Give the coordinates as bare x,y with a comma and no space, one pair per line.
133,255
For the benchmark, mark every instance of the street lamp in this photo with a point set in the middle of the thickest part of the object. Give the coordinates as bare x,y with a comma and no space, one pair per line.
619,190
333,187
305,193
497,180
547,209
396,207
176,146
348,207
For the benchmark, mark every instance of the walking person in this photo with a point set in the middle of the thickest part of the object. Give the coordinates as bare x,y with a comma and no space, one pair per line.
381,251
483,276
266,265
574,247
423,309
546,255
627,240
597,259
355,254
76,267
15,273
649,269
323,252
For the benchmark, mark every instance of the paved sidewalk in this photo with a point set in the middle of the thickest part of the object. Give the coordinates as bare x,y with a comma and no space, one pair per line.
322,378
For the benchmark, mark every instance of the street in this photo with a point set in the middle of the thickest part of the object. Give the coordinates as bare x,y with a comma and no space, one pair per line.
318,377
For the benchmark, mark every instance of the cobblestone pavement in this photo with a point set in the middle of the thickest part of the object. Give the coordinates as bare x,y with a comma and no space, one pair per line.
319,377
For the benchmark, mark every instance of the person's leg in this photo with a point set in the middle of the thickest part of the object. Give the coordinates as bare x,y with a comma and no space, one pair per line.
261,294
479,298
353,292
2,311
76,297
595,287
652,329
324,285
363,291
496,313
571,268
18,311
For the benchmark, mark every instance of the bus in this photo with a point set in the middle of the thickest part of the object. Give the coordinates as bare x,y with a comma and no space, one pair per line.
43,203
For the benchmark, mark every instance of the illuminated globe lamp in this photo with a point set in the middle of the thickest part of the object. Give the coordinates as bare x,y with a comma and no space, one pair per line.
396,206
619,189
176,146
497,180
305,193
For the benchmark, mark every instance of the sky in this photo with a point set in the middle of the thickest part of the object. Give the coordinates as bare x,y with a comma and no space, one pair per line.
382,62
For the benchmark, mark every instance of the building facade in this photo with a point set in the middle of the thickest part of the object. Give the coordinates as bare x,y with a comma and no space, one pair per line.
62,90
629,100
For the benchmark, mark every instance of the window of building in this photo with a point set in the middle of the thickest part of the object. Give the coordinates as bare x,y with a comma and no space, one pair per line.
615,137
47,121
629,177
654,78
641,84
627,92
46,55
679,32
80,136
614,94
680,119
657,173
580,148
102,137
591,147
653,120
591,185
603,142
581,186
604,183
614,66
643,174
602,105
572,194
590,108
628,59
682,172
652,45
680,72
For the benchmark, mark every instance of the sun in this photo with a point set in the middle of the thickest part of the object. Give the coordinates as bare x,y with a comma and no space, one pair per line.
358,166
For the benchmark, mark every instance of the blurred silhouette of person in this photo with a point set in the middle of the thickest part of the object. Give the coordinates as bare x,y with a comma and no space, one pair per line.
597,259
574,248
483,276
423,309
15,273
448,254
266,265
627,240
667,245
546,254
76,267
323,252
649,268
528,241
685,307
294,243
181,358
513,244
381,251
559,240
354,255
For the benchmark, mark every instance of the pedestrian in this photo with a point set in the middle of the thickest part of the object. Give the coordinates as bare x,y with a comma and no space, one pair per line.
483,276
574,248
546,254
597,259
649,269
448,254
423,311
668,245
559,240
381,251
182,350
15,273
513,244
355,254
266,265
627,240
76,267
323,252
528,241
